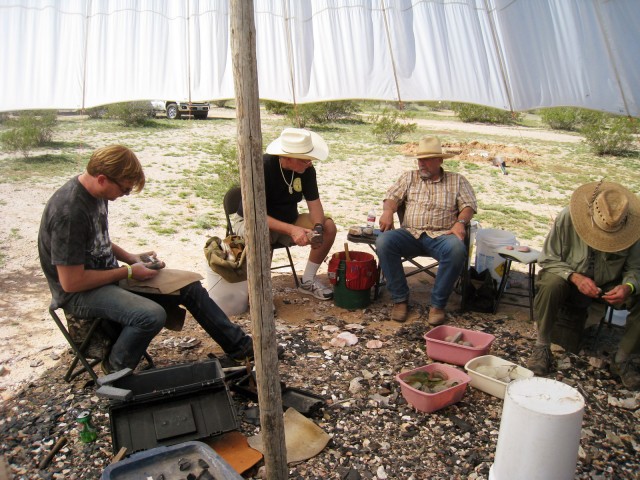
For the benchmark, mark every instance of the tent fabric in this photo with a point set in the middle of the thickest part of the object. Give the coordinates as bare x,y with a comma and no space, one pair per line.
510,54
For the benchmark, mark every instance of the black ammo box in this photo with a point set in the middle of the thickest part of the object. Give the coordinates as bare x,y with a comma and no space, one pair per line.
172,405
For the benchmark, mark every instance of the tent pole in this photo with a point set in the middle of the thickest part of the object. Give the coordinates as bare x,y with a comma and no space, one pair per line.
503,71
292,75
616,71
249,141
393,61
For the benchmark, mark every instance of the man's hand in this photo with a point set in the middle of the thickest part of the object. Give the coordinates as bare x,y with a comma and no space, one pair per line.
459,230
585,285
617,295
300,235
140,271
386,220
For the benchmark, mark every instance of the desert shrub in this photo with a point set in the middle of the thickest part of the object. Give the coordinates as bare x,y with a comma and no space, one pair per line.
27,130
562,118
220,103
391,124
314,113
469,112
96,112
131,114
608,134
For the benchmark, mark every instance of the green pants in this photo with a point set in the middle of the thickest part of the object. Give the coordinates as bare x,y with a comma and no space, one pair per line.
553,291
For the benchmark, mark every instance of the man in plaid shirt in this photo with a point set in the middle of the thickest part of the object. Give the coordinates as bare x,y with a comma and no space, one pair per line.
438,205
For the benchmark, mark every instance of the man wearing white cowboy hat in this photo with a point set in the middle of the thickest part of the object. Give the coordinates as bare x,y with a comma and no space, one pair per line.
592,251
289,177
438,205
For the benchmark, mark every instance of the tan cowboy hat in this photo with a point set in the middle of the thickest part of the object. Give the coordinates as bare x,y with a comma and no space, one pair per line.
429,147
606,216
299,143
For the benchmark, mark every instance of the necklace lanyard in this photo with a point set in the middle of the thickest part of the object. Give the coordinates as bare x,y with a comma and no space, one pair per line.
289,184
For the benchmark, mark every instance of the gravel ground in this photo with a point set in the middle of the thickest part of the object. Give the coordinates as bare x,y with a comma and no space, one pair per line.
374,433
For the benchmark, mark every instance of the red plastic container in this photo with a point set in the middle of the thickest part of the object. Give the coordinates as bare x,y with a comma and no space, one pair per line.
443,351
430,402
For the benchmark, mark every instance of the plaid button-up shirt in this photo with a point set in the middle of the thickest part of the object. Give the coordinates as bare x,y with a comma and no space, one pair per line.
431,207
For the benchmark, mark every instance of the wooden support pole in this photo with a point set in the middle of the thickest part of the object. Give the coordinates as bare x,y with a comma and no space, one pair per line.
245,75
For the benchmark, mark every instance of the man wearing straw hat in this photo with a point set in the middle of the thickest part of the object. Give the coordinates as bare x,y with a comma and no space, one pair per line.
289,177
438,205
592,251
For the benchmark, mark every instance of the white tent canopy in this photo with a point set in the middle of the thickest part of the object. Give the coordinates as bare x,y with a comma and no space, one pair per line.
510,54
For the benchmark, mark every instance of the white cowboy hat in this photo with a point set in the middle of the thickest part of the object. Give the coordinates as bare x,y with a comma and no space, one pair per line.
606,216
429,147
299,143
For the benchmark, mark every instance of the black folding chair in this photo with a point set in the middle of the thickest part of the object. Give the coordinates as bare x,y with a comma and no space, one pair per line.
462,283
231,203
92,342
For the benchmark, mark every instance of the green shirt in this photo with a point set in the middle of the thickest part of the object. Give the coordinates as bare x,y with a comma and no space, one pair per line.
564,253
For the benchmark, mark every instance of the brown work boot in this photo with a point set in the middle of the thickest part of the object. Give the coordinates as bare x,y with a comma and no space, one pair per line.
541,360
627,372
400,311
436,316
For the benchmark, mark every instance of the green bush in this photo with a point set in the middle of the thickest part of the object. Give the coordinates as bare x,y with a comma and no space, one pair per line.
314,113
469,112
562,118
96,112
131,114
27,130
608,134
391,124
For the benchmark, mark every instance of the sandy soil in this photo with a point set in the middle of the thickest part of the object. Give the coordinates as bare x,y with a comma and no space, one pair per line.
29,341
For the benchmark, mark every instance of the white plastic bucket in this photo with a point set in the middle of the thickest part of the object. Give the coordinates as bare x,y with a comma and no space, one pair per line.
488,240
539,431
232,298
619,316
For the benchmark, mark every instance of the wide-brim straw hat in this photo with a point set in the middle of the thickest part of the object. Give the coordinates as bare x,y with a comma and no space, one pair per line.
606,216
299,143
430,147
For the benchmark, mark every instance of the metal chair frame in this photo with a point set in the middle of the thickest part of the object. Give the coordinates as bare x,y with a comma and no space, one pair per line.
78,350
231,203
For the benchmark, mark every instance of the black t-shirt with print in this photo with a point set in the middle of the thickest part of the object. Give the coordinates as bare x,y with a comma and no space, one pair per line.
74,230
281,204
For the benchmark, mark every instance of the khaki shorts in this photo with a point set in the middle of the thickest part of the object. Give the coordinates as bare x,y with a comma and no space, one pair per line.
303,220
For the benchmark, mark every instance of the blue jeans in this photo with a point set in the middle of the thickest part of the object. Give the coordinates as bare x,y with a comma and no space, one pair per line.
142,319
449,250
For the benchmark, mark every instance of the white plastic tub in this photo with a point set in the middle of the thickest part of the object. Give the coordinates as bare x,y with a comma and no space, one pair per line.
487,370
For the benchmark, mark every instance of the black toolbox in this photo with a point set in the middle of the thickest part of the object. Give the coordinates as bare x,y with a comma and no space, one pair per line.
172,405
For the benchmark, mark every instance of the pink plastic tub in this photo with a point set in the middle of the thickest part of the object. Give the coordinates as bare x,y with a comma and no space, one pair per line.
443,351
430,402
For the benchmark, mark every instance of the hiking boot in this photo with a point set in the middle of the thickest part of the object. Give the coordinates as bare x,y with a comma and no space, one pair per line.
437,316
316,289
541,360
241,359
628,374
399,312
106,367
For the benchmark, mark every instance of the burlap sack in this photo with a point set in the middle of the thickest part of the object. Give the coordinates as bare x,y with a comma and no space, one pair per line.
227,260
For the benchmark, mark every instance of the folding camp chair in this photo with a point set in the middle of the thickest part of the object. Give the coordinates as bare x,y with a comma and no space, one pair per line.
231,203
462,283
90,340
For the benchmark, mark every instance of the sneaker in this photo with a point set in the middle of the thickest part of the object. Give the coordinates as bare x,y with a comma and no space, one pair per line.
628,374
399,312
316,289
437,316
541,360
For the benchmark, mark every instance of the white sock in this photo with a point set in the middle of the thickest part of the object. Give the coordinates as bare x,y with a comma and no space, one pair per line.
310,272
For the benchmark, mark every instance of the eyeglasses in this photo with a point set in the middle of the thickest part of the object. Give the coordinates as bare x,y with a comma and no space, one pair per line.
304,162
125,191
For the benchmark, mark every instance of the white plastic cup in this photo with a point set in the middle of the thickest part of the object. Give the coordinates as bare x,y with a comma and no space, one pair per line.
539,431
